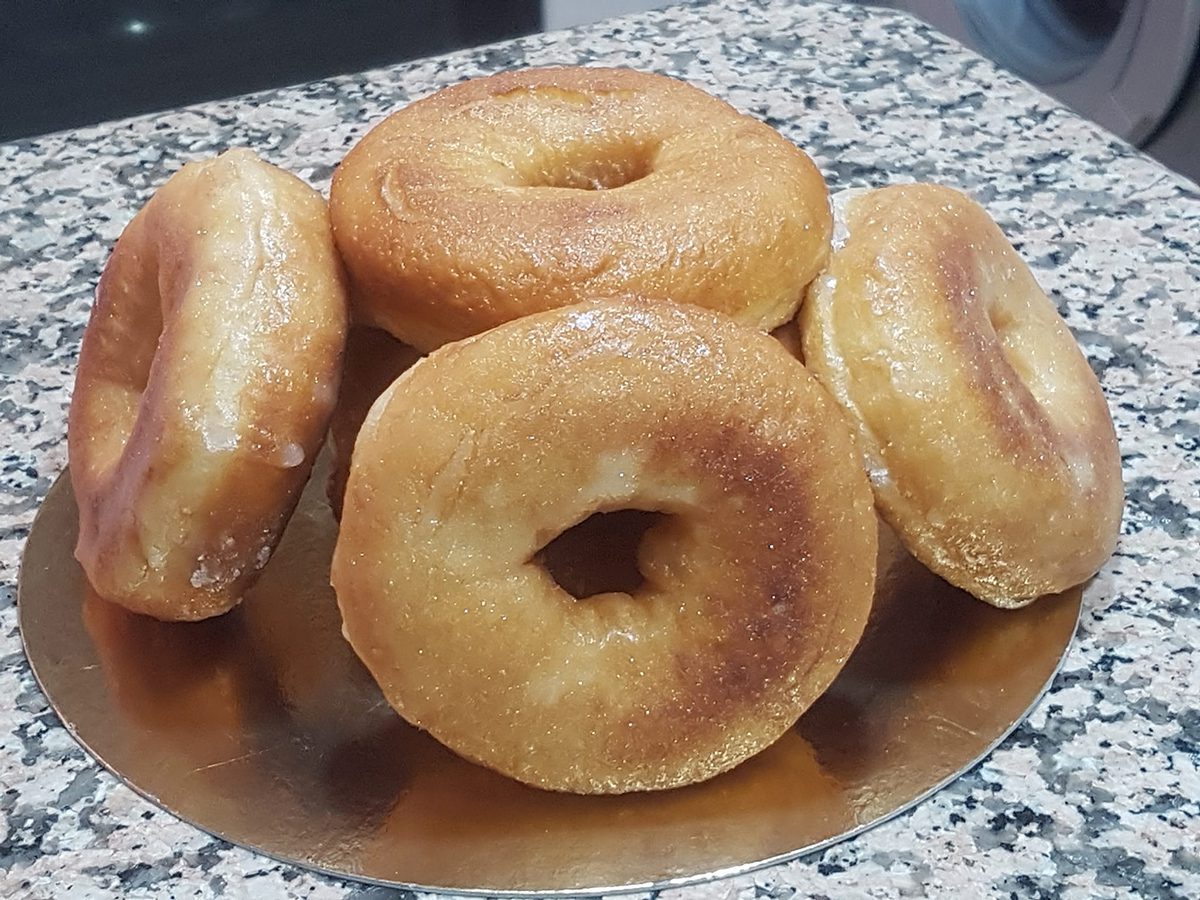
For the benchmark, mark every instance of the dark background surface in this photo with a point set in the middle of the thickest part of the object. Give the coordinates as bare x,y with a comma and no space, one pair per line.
67,63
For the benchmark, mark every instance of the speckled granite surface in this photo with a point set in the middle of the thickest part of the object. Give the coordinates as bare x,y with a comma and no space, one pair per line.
1094,796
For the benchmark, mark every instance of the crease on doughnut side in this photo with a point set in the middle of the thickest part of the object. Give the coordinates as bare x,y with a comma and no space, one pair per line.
395,202
448,497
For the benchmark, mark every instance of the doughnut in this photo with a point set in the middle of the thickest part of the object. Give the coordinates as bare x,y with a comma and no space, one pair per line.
758,574
374,359
985,433
206,379
538,188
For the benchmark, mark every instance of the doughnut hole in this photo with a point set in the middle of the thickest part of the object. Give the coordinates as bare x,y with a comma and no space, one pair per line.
128,347
1020,336
592,166
1005,326
601,554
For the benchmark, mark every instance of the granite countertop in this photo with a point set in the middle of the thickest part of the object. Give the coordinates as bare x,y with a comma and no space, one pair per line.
1095,795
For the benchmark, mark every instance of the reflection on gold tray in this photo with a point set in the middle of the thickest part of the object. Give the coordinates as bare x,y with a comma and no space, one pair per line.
262,727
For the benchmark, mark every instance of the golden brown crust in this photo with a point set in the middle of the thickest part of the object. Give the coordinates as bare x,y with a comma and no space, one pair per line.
374,359
757,582
206,378
986,434
479,204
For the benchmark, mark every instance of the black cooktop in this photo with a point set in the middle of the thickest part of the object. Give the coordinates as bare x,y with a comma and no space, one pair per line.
66,63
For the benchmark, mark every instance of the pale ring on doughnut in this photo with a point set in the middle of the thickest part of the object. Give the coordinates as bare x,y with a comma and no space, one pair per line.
207,375
986,435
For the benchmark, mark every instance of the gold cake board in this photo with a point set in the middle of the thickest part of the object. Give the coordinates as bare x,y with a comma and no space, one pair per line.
262,728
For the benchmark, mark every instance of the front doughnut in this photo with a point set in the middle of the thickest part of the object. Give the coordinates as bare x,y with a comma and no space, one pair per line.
207,375
757,581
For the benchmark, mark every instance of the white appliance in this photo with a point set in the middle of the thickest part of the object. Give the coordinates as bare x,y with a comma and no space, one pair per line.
1129,65
569,13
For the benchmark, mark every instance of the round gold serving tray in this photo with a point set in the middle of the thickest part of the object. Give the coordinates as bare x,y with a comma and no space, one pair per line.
262,728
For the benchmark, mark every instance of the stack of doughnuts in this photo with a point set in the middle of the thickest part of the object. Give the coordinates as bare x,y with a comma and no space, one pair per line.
561,282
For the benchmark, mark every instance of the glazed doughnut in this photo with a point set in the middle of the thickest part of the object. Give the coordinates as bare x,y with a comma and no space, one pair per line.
374,359
757,579
538,188
986,435
207,375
